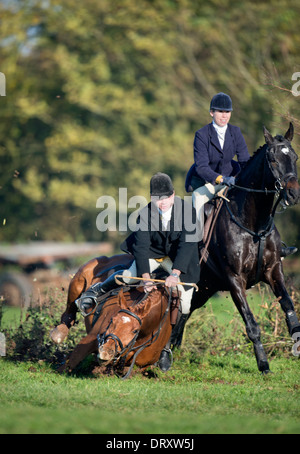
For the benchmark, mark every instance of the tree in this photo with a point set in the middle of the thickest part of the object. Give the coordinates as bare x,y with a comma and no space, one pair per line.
101,95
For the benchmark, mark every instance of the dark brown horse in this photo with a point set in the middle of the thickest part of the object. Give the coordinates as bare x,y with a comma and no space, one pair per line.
245,245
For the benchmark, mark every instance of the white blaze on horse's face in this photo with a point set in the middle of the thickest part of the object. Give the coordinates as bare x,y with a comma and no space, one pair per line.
285,150
125,319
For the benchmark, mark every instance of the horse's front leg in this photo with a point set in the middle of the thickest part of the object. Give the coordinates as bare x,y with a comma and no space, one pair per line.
86,346
238,293
77,285
276,280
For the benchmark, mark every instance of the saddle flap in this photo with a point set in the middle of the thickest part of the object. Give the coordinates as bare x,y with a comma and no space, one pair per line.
209,211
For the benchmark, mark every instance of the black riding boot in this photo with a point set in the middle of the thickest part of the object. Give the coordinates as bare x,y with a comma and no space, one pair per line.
89,298
177,331
166,357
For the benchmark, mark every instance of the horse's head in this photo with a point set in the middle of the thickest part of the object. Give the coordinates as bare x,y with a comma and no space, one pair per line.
137,324
121,333
282,160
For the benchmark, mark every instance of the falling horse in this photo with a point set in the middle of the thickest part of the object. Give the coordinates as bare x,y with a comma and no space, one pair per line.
125,327
95,270
138,332
245,244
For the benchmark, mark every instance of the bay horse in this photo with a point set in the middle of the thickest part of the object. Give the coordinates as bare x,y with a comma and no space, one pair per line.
126,326
138,332
245,245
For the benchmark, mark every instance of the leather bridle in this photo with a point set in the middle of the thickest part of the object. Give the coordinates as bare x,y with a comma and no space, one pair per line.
279,185
104,338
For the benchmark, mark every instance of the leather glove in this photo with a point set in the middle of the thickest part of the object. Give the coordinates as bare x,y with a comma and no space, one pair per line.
229,181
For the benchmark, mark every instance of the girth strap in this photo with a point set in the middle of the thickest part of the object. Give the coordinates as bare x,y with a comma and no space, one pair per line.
261,248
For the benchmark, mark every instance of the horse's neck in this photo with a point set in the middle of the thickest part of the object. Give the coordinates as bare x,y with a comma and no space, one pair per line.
256,174
152,320
258,210
255,207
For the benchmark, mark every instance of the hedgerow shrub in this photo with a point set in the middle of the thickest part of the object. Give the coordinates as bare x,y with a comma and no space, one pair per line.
205,331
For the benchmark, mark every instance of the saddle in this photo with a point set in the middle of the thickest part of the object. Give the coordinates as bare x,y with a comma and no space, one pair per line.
112,269
139,294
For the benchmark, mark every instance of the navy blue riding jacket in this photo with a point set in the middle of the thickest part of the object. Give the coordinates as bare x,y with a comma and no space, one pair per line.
210,160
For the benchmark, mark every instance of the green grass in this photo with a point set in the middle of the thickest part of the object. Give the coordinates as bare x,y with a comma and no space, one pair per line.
213,387
217,395
11,316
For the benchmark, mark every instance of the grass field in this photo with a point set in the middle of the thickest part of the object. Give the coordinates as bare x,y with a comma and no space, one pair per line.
214,396
214,386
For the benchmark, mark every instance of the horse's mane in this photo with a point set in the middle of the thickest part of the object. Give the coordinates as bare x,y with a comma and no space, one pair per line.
143,307
261,149
251,164
255,154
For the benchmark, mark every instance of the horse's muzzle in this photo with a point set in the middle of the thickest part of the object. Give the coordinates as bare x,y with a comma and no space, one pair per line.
105,353
291,193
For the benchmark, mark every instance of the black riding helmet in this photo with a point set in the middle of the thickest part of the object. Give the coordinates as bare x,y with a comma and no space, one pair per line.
221,101
161,185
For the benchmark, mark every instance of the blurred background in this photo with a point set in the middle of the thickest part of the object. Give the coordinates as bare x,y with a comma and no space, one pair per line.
100,95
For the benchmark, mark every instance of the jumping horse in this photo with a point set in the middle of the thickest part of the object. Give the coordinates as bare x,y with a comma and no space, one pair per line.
244,249
245,245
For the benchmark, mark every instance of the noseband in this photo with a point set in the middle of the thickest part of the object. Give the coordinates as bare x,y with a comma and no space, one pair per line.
281,186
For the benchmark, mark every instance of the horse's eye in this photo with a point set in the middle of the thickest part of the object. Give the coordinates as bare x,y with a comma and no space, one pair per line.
135,331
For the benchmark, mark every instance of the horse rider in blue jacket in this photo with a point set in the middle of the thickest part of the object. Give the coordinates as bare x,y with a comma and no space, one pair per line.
215,146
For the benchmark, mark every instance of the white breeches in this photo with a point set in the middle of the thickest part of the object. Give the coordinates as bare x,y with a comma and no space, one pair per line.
166,264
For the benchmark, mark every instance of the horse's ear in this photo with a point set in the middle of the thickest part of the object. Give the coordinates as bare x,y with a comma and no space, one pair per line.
122,300
290,133
268,136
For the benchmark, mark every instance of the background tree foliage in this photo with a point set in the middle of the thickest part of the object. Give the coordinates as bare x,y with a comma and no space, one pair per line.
102,94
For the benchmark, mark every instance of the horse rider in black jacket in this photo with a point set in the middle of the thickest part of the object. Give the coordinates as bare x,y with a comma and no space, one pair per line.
165,237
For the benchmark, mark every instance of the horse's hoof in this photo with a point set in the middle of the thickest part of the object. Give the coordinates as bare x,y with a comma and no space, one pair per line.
63,369
59,334
266,372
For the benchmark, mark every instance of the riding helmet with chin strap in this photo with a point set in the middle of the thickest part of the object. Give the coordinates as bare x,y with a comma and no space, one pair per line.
221,101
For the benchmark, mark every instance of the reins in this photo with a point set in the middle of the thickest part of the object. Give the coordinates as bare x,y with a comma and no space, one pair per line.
265,191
